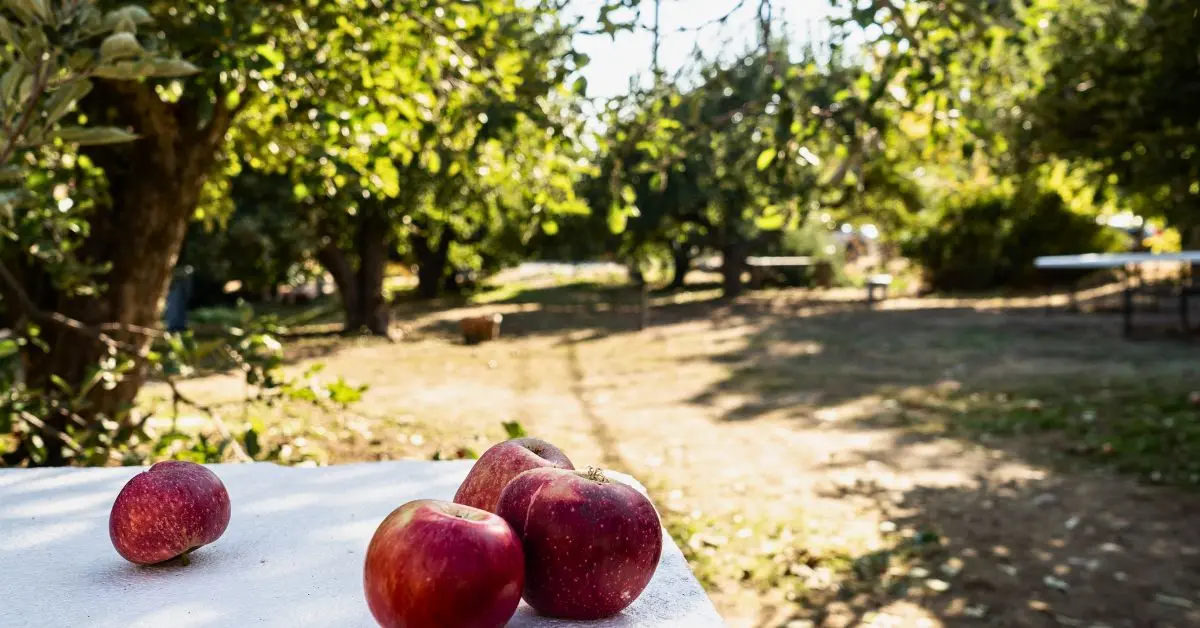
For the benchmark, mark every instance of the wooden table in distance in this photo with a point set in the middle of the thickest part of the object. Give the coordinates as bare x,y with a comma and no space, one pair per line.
1125,261
292,555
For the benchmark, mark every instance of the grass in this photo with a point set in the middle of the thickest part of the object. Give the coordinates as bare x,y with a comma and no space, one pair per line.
1147,429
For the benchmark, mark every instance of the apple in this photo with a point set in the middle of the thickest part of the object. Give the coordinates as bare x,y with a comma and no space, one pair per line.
500,464
167,511
433,563
591,544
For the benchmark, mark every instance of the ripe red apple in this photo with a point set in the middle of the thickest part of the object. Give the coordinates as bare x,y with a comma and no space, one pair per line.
167,511
591,544
433,563
500,464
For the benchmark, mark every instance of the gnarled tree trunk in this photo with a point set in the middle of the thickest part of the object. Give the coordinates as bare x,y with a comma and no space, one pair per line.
154,186
361,284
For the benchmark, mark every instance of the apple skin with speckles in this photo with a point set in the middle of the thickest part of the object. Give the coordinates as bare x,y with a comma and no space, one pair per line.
434,564
500,464
167,511
591,544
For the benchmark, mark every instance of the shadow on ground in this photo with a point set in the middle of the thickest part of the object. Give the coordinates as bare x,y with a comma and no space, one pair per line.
1042,553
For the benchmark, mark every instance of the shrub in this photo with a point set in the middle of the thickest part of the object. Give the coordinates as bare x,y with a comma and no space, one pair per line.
988,240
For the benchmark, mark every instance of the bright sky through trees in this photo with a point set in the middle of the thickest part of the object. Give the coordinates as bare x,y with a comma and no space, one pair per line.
614,62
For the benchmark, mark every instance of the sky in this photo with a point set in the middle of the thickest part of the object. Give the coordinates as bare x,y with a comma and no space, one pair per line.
613,63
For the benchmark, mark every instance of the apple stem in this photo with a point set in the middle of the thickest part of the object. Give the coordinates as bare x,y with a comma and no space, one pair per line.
185,558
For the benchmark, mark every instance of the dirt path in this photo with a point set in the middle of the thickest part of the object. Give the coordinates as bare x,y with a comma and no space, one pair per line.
778,452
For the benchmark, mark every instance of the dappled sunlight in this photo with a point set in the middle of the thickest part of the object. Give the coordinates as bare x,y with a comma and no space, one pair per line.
851,410
65,505
43,538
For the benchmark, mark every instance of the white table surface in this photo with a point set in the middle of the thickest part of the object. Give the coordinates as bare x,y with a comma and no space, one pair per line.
1113,260
292,555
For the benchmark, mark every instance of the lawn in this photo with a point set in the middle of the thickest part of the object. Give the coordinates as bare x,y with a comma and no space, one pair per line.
926,463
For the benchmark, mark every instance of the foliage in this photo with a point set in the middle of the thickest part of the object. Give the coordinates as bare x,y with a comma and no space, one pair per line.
986,239
350,117
750,151
251,349
51,53
1115,84
265,243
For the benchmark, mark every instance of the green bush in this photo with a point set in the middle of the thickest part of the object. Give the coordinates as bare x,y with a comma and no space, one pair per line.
989,240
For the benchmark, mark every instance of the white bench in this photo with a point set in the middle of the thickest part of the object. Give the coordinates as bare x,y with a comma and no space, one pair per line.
880,282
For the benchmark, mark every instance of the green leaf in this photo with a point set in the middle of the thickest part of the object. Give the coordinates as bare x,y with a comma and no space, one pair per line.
433,161
770,222
658,181
251,443
61,383
40,9
120,46
9,83
618,218
389,176
766,158
514,429
121,71
550,227
132,13
61,100
93,136
628,194
581,85
7,33
173,68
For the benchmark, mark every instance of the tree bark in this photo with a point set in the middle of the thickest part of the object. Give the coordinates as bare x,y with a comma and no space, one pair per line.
733,264
681,256
154,186
361,285
431,264
372,245
334,260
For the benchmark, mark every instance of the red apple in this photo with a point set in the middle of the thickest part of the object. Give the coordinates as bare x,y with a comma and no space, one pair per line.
503,462
591,543
432,563
167,511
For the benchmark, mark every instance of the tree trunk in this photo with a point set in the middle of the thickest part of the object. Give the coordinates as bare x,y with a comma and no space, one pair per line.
334,260
361,285
431,264
154,187
372,245
681,256
733,265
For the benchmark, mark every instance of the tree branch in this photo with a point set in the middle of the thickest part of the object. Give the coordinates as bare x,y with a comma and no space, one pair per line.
213,133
